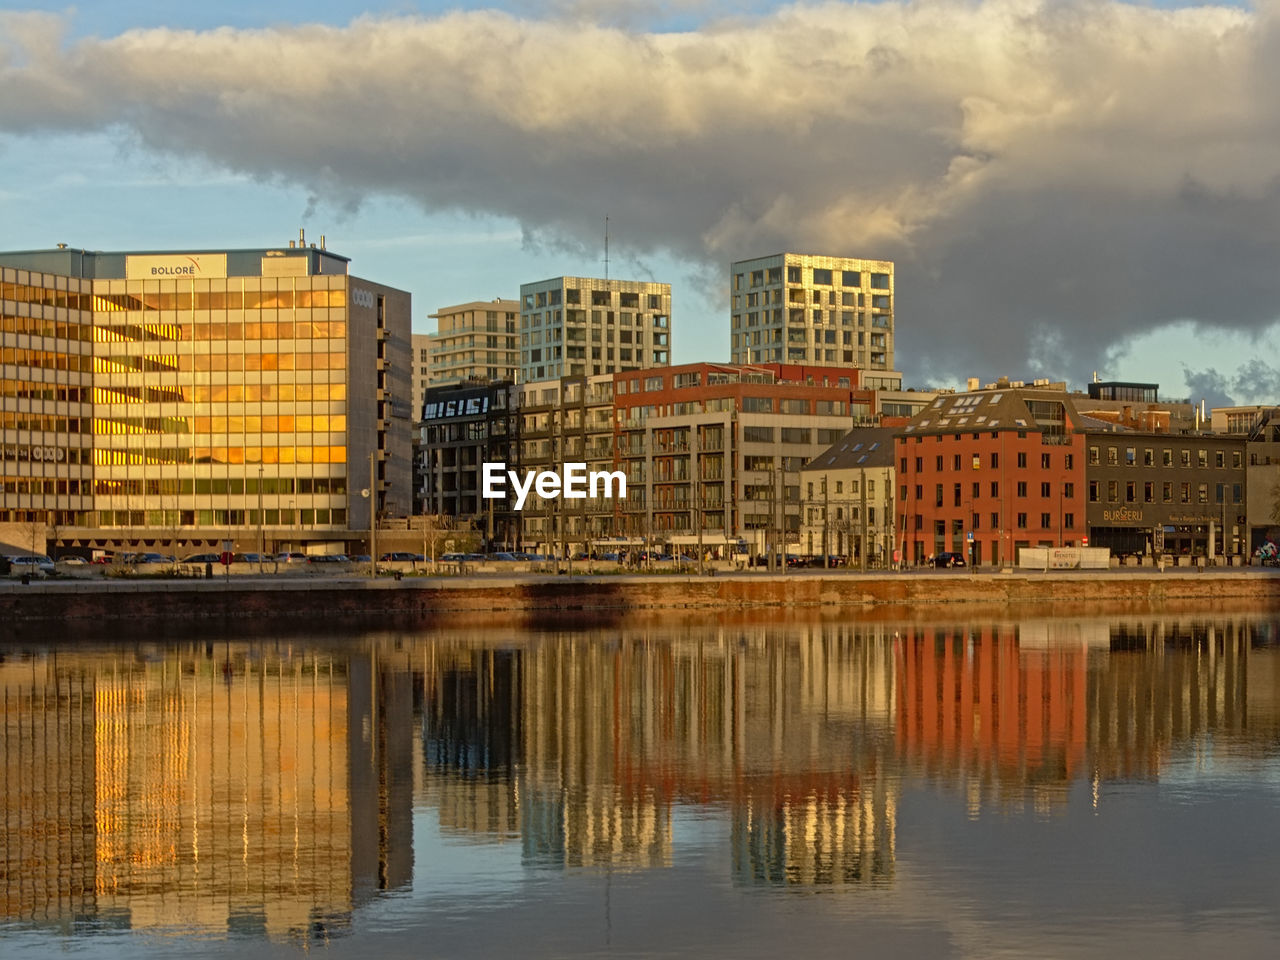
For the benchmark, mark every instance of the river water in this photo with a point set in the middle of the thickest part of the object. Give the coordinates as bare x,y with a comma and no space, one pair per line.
729,786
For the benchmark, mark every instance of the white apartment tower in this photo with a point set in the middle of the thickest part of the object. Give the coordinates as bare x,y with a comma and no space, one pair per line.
581,326
794,308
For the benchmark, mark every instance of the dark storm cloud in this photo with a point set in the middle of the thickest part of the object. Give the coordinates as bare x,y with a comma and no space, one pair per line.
1052,178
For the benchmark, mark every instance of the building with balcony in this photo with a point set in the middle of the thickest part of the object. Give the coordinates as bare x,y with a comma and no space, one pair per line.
580,326
818,310
475,341
186,398
713,453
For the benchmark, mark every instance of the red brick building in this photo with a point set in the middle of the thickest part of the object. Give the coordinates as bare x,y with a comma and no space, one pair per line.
987,472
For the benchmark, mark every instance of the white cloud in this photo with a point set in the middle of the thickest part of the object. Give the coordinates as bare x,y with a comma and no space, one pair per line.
1052,177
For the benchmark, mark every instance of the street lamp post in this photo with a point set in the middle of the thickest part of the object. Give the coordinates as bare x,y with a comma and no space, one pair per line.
261,539
373,519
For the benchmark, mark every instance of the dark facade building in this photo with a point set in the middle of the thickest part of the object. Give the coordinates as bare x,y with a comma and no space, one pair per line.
1178,494
464,426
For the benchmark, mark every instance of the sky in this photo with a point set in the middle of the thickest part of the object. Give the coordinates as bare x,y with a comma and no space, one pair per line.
1066,186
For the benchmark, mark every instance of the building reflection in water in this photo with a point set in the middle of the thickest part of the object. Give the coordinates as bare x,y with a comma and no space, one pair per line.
215,789
1020,710
583,747
268,790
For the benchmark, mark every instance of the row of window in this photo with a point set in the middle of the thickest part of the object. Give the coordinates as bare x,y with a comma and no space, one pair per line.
174,487
1184,457
820,276
171,519
1022,521
959,461
1021,490
599,298
223,455
1186,492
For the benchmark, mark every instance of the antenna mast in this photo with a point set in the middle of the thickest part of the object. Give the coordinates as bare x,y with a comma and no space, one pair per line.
606,246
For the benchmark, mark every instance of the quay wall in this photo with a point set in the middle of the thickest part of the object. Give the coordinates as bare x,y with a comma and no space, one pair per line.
523,600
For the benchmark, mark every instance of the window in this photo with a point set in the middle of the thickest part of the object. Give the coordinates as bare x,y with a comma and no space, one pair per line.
1148,457
1022,459
995,488
1219,458
757,405
1131,491
938,464
793,275
1219,492
1022,488
1130,456
1093,491
1022,521
1203,493
1113,456
1235,493
919,462
995,521
1166,492
1044,461
937,495
1045,521
879,281
850,278
1069,521
1184,493
1068,461
1148,492
1113,491
955,462
1185,457
956,495
757,434
1093,456
1166,457
1068,490
995,461
977,490
1202,458
1046,490
822,277
1235,459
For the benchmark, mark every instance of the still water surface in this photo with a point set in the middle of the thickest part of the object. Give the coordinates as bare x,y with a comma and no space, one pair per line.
1048,788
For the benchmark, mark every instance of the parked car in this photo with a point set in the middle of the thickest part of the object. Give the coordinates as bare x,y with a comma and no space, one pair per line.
357,558
203,558
138,558
399,556
504,557
249,558
32,564
291,558
73,560
949,560
328,558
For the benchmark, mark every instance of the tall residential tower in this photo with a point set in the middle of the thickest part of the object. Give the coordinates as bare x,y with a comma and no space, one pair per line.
577,326
833,311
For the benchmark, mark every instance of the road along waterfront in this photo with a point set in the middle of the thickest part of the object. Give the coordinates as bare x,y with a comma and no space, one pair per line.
270,598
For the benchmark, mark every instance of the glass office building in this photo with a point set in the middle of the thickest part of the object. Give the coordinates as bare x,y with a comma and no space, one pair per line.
201,396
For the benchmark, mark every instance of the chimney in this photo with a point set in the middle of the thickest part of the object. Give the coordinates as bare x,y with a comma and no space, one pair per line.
972,384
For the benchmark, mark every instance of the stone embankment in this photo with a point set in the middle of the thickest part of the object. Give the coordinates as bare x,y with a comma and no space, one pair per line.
525,600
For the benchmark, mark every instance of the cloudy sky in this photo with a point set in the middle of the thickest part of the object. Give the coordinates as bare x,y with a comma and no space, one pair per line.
1065,186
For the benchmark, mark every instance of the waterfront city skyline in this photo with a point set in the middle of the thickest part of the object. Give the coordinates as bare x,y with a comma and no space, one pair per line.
1044,219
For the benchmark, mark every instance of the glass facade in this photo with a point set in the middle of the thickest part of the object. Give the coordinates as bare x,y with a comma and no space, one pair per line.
198,403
